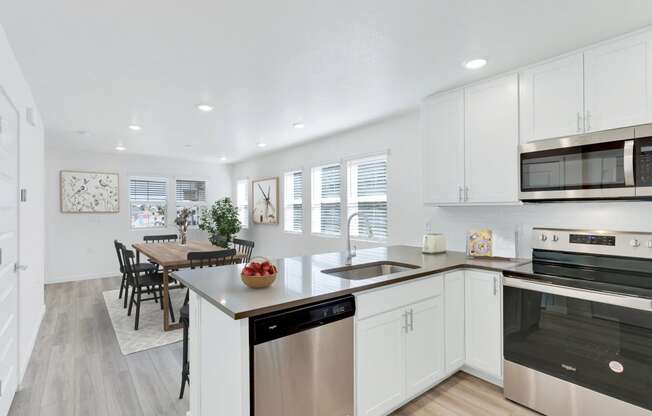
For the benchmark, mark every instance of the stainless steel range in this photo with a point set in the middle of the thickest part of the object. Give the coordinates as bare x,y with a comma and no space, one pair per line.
578,324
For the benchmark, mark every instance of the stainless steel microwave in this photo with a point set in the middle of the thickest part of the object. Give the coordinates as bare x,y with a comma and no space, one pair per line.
612,164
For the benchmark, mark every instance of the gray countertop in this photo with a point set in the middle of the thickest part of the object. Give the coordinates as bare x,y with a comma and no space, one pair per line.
300,279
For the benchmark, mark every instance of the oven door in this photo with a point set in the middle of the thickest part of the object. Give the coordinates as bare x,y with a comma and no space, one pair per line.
577,169
599,341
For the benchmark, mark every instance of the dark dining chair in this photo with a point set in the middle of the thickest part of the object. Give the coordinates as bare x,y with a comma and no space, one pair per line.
199,259
244,247
140,268
143,282
162,238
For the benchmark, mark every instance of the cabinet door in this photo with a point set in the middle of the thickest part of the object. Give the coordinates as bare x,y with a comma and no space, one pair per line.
454,320
491,141
552,99
483,323
442,134
380,363
618,83
424,345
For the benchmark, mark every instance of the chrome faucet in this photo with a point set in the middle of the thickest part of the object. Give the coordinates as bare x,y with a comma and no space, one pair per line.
351,254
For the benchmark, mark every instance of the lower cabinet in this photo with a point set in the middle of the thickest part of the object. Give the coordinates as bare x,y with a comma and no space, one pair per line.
454,325
484,323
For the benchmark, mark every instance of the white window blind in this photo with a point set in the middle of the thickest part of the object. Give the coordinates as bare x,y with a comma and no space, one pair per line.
148,202
242,201
293,201
367,195
191,191
191,194
326,199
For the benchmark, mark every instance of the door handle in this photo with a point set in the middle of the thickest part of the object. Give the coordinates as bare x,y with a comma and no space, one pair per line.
411,320
405,322
495,286
628,161
579,122
466,193
588,121
459,193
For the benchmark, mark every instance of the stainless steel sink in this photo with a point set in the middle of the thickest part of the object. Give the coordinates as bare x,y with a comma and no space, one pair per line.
369,270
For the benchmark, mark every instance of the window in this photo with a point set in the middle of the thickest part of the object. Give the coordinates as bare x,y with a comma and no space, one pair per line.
191,195
293,201
148,202
367,195
326,200
242,201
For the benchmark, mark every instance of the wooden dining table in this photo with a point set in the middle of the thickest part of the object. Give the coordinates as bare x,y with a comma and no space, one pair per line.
173,256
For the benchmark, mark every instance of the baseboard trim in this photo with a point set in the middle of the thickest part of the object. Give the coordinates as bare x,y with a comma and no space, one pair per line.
32,344
88,276
482,375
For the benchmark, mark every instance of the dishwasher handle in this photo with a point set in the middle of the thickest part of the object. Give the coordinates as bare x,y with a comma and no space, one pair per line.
288,322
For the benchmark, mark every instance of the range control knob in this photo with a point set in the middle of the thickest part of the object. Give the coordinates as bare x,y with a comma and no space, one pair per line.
635,243
543,237
555,237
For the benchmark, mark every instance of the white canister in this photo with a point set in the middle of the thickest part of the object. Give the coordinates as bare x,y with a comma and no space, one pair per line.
434,243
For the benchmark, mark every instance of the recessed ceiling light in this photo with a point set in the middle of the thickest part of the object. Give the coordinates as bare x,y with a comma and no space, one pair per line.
223,158
298,125
205,107
475,63
135,127
261,144
120,148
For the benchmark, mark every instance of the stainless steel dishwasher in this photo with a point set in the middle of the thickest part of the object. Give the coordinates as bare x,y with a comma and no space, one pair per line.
302,360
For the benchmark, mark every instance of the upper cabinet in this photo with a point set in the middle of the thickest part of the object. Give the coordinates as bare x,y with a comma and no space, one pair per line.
491,141
442,134
552,99
617,83
601,88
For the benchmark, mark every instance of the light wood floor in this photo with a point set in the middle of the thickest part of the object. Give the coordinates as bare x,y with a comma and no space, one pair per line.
77,369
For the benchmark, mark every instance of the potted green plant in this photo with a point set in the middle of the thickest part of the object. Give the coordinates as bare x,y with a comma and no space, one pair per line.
221,222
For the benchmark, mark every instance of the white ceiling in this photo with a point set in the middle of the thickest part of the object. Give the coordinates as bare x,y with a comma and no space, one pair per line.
97,66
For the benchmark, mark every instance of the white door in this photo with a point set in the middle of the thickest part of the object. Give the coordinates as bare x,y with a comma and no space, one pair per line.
380,363
8,252
552,99
442,133
454,320
483,323
491,141
424,345
618,83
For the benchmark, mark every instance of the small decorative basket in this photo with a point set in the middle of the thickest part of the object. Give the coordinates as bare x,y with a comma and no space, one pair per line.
262,280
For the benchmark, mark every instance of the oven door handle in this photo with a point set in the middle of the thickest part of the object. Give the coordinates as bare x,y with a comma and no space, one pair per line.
628,163
589,295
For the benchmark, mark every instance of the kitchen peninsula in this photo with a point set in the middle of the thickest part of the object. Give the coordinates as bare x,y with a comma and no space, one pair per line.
455,297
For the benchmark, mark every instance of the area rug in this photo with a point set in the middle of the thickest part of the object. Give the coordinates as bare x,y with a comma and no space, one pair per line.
150,332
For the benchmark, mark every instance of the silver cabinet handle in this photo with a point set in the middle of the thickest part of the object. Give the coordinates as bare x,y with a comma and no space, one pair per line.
466,193
579,122
411,320
588,121
19,268
459,193
495,285
405,322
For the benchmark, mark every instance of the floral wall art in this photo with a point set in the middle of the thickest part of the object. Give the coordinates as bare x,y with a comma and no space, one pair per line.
84,192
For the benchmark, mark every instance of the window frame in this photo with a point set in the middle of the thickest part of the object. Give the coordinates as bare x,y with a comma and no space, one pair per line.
201,205
361,158
246,182
342,198
303,199
164,179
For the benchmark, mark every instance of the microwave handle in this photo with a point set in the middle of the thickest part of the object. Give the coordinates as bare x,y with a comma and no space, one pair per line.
629,163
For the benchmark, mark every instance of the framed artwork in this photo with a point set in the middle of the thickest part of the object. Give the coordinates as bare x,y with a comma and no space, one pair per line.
89,192
265,201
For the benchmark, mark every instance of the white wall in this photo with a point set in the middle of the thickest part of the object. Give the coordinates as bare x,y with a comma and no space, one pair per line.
407,215
31,213
80,246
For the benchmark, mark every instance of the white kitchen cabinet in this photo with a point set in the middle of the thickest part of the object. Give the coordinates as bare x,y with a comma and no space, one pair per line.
442,134
491,141
380,362
618,83
424,346
552,99
483,323
454,321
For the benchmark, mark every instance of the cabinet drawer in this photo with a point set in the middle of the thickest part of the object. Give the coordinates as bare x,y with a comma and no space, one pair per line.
385,299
